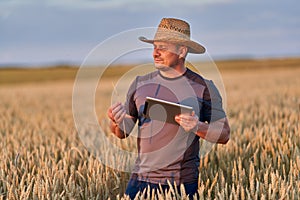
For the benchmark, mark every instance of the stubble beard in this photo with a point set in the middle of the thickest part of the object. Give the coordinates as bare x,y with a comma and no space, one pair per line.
162,67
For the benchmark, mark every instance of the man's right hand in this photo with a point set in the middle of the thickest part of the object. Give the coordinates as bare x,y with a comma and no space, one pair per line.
116,113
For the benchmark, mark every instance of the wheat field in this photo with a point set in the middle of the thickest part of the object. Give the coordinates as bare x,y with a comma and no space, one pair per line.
42,157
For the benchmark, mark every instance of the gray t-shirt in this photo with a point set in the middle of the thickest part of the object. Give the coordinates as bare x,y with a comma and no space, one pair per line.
165,150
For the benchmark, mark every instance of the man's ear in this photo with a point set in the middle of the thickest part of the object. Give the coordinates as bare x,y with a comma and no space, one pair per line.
183,50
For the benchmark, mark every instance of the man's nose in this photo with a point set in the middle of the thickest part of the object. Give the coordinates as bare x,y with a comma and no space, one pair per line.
156,52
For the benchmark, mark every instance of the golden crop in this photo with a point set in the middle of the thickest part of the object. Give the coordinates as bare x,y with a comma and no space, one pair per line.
42,157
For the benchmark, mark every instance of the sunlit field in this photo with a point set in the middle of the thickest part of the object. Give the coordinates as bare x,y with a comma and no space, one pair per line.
42,156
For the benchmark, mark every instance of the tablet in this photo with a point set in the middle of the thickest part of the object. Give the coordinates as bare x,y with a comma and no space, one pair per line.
165,111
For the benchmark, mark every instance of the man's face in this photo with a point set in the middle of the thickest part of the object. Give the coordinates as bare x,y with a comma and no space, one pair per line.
165,55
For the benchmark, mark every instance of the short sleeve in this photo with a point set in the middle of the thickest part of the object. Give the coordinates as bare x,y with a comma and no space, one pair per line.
211,109
130,105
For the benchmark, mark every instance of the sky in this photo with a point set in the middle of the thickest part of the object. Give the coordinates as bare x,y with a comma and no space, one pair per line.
45,32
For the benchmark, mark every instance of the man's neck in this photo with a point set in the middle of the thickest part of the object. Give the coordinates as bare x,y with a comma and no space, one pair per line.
170,72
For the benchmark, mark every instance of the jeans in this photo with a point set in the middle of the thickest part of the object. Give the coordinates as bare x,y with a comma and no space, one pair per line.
134,186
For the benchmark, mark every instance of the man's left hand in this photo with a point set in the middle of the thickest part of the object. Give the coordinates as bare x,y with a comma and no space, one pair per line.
189,122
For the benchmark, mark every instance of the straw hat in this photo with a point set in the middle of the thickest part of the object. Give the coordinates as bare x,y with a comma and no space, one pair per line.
175,31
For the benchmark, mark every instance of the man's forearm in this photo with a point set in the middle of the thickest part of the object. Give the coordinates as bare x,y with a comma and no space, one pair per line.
115,129
122,129
216,132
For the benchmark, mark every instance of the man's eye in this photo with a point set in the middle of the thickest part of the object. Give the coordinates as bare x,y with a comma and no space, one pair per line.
162,48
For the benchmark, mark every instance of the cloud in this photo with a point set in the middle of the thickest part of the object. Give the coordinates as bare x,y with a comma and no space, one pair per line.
132,4
44,30
4,14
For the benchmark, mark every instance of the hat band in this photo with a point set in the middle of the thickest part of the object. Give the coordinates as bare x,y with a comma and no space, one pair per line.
175,28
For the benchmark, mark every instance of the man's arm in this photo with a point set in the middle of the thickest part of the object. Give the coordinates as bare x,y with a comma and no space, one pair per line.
118,130
216,132
121,124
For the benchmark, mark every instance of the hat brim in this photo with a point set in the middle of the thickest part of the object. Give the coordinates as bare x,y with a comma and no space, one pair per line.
194,47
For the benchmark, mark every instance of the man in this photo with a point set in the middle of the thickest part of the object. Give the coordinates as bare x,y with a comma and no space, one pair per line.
168,153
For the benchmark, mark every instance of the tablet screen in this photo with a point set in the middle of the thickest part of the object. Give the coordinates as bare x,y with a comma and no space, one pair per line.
158,109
